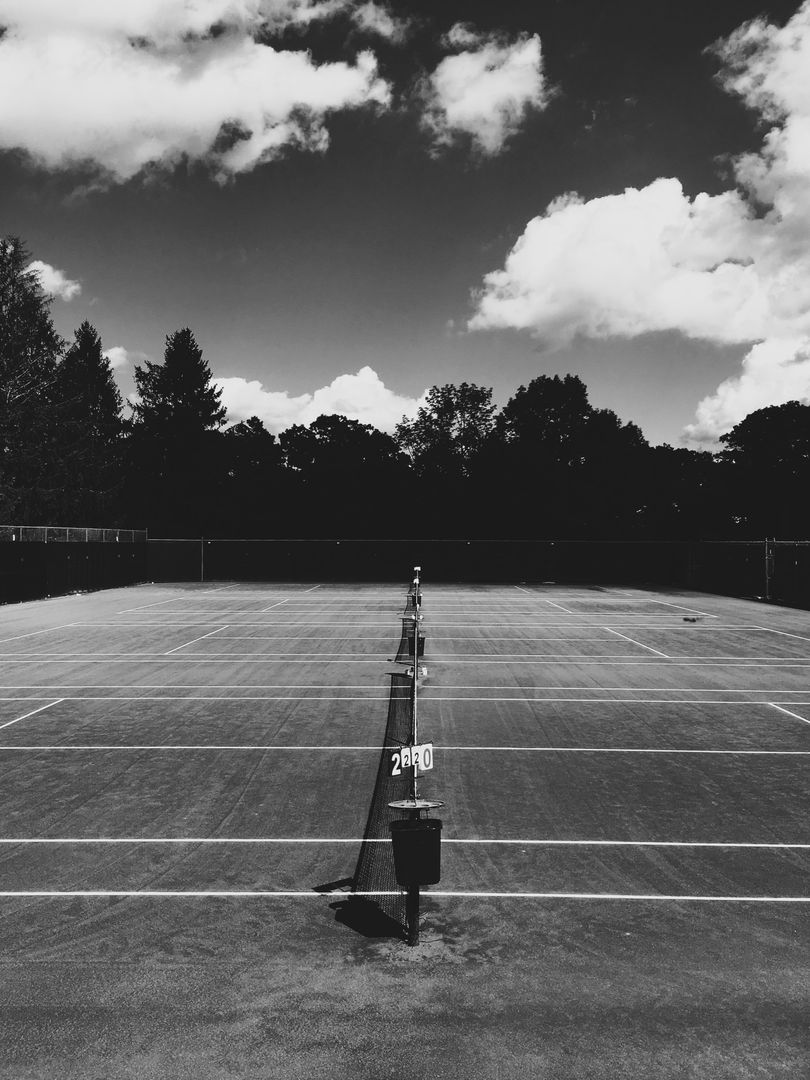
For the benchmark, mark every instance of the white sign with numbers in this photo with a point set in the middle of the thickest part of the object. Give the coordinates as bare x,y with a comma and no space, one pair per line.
418,757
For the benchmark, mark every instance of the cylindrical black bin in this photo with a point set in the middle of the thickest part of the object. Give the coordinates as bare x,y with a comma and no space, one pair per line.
421,644
417,851
415,598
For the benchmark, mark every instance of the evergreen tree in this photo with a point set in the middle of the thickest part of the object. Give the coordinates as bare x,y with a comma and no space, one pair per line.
29,352
176,399
177,467
90,428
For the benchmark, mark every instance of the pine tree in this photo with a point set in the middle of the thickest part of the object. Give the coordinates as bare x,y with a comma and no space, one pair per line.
29,352
176,461
176,398
90,429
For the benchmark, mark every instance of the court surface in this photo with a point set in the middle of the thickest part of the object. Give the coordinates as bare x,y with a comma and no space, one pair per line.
188,777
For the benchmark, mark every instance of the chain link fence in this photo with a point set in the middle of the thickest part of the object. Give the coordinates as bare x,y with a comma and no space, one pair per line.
67,534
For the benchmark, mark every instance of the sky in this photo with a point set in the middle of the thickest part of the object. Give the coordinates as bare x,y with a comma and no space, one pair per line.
349,202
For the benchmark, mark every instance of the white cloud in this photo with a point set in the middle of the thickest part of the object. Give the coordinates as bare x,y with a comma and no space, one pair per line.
714,267
373,18
486,91
118,356
123,86
773,372
54,282
362,396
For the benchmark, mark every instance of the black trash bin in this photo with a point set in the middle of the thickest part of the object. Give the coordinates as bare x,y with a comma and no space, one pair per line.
417,851
415,598
421,644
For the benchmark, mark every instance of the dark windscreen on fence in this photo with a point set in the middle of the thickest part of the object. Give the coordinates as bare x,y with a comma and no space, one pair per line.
40,561
775,570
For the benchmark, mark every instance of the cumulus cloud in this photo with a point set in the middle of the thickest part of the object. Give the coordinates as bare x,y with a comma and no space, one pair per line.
773,372
372,18
125,86
119,357
485,91
54,282
362,397
727,268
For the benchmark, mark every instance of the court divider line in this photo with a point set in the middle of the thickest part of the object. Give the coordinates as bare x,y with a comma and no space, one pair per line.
33,712
788,712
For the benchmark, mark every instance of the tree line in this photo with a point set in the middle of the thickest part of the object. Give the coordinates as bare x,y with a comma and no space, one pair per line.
546,465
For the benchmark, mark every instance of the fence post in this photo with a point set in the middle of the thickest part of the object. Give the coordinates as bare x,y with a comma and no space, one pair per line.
769,555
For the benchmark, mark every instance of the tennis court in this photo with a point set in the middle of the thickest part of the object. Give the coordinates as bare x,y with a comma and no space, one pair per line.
189,777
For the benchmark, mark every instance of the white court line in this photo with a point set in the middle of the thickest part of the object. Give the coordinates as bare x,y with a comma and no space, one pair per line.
175,599
581,661
263,840
634,642
371,686
274,605
185,646
298,656
783,633
376,749
681,607
314,587
34,633
789,713
191,894
386,697
542,599
32,713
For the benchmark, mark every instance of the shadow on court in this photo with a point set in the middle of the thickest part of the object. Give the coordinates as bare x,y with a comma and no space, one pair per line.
384,915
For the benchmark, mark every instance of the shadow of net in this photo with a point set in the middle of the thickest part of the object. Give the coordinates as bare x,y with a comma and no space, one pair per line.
381,915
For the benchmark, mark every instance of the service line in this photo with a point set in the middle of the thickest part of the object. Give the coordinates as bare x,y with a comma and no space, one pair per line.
192,894
263,840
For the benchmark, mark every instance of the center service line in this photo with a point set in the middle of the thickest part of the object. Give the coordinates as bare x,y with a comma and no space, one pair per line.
32,713
185,646
34,633
174,600
260,610
634,642
788,712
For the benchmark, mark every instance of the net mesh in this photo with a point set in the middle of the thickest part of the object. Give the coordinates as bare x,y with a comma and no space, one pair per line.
374,871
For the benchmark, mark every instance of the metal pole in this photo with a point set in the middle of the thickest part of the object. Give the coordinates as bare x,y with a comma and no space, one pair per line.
412,914
202,560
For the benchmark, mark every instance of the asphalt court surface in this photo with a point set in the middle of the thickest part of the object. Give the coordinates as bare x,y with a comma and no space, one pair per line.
187,778
604,731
